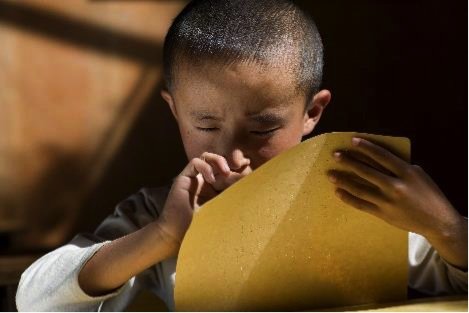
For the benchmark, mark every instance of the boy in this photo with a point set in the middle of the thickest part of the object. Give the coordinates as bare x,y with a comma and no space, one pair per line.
243,83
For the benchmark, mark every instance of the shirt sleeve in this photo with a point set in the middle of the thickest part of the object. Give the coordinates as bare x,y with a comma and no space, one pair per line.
431,274
51,283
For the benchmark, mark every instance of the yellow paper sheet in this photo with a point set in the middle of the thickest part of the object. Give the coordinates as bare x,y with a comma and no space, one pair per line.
280,239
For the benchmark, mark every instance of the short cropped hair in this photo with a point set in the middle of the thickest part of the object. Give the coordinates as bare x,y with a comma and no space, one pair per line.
266,32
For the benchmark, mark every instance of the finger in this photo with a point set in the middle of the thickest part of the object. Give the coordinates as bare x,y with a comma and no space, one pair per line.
222,183
206,193
217,161
364,171
382,156
233,178
365,159
355,188
196,166
355,202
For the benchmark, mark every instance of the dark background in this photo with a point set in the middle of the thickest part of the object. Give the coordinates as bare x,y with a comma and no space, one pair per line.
400,68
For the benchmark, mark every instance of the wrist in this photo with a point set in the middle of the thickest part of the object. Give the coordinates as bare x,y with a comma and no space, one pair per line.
453,230
170,244
451,243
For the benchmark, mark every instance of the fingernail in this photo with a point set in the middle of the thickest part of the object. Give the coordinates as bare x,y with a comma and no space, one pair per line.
355,141
227,168
337,155
212,177
332,178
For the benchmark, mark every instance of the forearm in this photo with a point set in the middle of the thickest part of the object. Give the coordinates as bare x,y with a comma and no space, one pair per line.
115,263
451,244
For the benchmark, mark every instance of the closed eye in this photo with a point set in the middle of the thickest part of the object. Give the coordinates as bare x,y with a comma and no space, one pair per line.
208,129
265,132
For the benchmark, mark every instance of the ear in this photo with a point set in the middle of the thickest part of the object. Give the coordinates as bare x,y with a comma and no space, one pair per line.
169,99
314,110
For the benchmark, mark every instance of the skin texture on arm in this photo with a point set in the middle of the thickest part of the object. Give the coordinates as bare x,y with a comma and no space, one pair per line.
402,195
115,263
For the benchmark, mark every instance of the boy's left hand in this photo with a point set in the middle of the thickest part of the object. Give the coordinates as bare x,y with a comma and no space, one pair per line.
401,194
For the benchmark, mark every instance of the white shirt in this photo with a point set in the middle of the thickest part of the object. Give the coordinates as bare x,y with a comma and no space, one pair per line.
51,283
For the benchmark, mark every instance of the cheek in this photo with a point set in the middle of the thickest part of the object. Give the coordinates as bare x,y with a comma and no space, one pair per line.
278,144
194,144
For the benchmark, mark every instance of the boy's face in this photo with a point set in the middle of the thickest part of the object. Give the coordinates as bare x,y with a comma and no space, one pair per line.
244,112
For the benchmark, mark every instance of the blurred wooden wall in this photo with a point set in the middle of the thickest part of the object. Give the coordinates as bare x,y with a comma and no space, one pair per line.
77,78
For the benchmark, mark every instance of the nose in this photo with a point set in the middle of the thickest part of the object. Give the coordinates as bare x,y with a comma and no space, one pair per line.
237,160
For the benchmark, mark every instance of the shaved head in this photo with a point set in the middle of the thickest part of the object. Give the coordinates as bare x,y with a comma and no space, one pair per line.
269,33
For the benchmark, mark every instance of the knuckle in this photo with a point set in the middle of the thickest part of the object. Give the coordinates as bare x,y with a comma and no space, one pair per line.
383,154
211,156
181,179
409,170
399,189
199,164
219,157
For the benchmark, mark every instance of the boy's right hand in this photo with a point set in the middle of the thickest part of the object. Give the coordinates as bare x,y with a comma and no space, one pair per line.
201,180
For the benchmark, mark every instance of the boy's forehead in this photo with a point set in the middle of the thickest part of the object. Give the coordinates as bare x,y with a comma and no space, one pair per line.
260,85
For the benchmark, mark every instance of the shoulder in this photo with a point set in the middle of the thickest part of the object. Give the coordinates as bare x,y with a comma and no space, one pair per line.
155,197
147,201
135,212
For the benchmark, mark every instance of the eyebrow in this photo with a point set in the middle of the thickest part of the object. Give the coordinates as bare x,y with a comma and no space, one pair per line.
204,116
267,118
260,118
